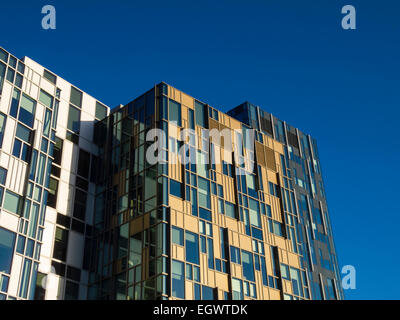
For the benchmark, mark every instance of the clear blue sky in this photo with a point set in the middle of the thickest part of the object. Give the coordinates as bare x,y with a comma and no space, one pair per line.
290,57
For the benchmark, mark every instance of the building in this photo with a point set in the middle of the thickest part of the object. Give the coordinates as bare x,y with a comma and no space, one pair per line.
87,213
47,193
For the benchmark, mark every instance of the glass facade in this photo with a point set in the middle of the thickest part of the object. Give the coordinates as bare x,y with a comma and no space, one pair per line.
243,219
208,230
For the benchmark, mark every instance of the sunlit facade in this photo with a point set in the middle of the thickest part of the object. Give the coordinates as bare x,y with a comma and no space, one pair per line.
85,213
209,229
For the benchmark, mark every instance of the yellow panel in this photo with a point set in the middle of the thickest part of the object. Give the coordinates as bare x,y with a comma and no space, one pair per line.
211,278
274,294
235,124
204,268
288,286
174,254
216,244
265,293
136,225
238,270
172,217
231,224
245,242
187,100
293,260
270,158
191,223
272,176
146,222
189,290
221,281
278,147
176,203
173,131
180,253
280,242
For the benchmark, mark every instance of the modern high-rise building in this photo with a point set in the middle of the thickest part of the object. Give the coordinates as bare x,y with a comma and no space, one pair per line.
217,206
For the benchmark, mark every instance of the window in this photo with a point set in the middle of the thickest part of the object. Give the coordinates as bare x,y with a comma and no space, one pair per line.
285,271
27,110
15,102
80,204
2,127
46,124
268,209
84,163
230,209
250,181
202,164
175,114
52,194
71,291
254,213
204,193
331,289
101,111
237,289
23,133
296,282
40,292
2,73
3,175
20,150
76,97
60,244
227,169
177,235
275,227
49,76
73,273
12,202
273,189
191,119
57,151
23,291
175,188
46,99
7,240
221,208
178,280
192,247
10,75
235,255
247,263
3,55
74,119
201,114
207,293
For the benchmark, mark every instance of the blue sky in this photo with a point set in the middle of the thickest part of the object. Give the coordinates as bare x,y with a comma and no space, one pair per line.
290,57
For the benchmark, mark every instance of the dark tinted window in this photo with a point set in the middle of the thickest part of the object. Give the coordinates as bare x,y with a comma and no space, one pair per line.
49,76
76,97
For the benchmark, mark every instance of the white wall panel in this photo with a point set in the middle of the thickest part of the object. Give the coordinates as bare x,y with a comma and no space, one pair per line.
62,114
48,236
5,97
33,90
4,159
8,139
47,86
8,221
15,274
